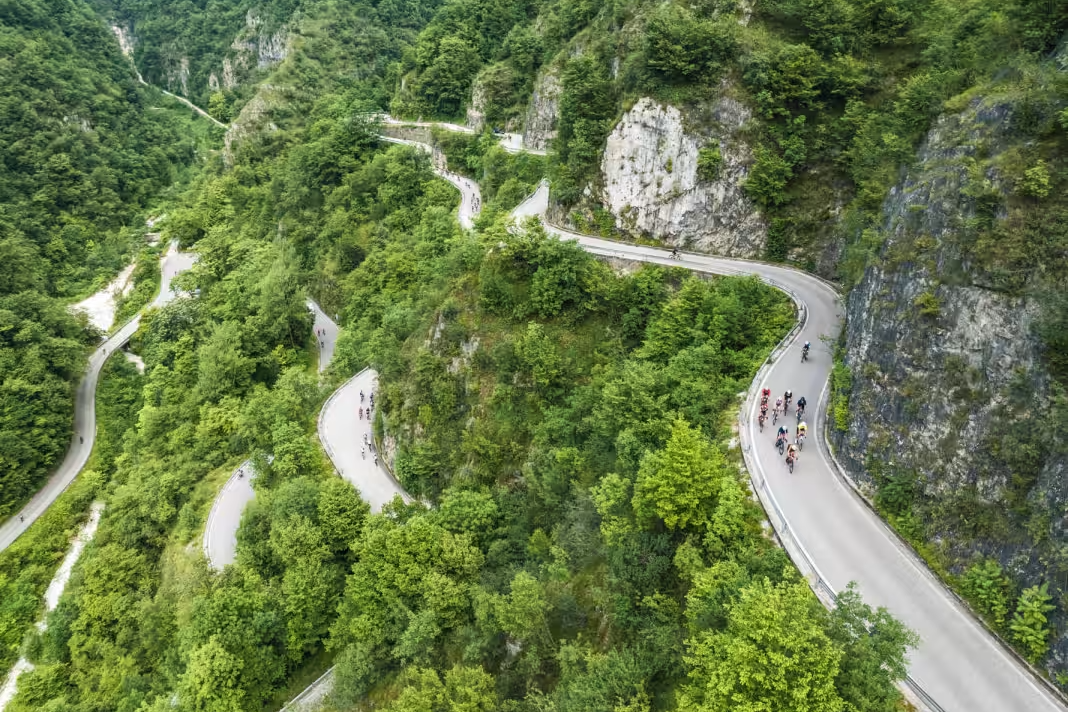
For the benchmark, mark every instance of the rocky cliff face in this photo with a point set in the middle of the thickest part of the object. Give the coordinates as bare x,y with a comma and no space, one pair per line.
543,112
125,37
255,118
476,109
651,183
256,46
948,381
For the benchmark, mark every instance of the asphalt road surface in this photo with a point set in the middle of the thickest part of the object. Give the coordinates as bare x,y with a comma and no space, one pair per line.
326,332
511,142
172,263
957,663
220,531
346,435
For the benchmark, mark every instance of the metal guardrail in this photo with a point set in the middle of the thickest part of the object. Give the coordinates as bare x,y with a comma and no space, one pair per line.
297,703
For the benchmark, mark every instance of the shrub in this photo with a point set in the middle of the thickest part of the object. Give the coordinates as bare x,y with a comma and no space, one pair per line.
1035,181
841,384
709,160
895,493
928,304
1030,627
987,587
768,178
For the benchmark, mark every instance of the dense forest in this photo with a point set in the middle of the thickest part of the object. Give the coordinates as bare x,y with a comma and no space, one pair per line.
583,536
847,98
81,154
184,47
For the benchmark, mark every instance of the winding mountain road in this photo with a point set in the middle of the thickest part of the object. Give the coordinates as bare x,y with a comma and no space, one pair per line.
220,531
958,665
830,533
511,142
172,263
344,432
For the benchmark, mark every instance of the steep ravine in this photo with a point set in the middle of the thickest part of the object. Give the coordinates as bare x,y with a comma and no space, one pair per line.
948,379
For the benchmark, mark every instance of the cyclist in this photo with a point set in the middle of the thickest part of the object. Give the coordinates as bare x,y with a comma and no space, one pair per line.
778,405
804,351
361,413
791,454
674,253
780,437
762,419
801,403
786,398
802,431
766,393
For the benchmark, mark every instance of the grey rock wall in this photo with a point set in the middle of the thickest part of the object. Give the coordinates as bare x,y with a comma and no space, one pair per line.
949,385
651,184
543,111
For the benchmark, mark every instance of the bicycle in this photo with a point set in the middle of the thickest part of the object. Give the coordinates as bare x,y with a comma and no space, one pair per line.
800,441
790,464
761,420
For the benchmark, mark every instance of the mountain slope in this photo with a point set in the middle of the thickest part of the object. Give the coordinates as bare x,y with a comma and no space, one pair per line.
80,155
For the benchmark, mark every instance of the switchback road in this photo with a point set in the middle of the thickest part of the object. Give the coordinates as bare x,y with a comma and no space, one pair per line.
346,436
958,664
220,531
511,142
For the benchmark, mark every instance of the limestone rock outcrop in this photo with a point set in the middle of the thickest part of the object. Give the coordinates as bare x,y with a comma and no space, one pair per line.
543,111
650,179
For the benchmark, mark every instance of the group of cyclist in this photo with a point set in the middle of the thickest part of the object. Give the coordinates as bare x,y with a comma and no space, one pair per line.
791,449
370,406
367,442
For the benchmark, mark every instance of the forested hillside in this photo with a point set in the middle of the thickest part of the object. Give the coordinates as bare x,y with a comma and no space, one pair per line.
206,52
81,153
583,535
